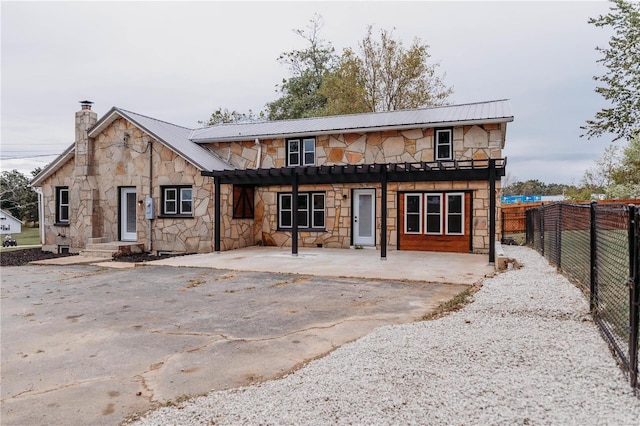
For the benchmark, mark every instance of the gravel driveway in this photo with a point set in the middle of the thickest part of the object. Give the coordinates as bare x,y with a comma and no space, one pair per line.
524,352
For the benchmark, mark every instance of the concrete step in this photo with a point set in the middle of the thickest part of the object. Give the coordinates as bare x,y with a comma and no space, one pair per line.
107,254
111,249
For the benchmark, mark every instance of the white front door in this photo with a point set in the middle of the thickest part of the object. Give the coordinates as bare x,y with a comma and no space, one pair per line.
364,217
128,214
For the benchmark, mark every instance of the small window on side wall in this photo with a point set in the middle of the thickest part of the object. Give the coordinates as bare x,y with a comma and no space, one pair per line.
62,205
177,201
444,144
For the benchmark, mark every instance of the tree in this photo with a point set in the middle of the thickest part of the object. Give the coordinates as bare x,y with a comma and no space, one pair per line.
17,197
621,82
602,173
616,174
384,76
223,116
301,95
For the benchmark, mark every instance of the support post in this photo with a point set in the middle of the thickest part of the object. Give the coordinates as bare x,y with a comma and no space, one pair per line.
492,211
294,213
383,213
217,225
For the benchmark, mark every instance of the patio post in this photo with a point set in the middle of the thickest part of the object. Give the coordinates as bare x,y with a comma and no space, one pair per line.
383,211
492,210
294,213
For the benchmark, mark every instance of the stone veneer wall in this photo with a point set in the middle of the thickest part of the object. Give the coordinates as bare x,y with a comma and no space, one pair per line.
396,146
113,164
55,236
338,228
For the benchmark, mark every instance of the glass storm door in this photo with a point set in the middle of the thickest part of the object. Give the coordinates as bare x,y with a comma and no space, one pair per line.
364,217
128,214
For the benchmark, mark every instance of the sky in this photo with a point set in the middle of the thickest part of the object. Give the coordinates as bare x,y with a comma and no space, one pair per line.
180,61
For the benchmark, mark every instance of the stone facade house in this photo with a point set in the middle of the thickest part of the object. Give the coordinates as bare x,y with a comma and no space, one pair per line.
423,179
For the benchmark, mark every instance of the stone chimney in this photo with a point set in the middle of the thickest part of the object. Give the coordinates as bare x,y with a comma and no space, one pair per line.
85,119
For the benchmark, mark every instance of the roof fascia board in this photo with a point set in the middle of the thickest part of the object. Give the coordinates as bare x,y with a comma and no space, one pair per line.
66,155
103,122
356,130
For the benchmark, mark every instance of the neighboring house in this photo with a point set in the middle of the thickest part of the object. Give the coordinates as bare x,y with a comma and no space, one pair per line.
9,224
423,179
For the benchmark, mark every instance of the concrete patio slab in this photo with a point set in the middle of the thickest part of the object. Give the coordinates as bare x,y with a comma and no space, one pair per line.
454,268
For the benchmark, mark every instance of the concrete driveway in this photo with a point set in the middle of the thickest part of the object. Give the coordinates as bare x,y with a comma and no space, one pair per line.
90,344
85,344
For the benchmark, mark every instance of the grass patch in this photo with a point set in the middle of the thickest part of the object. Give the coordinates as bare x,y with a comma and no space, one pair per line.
454,304
28,237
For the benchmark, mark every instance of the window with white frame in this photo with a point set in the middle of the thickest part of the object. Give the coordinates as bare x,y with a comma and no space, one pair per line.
62,205
455,214
444,144
177,201
413,213
434,213
311,210
301,152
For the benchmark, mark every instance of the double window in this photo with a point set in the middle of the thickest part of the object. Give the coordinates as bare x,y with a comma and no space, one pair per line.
311,210
62,205
434,213
177,201
444,144
301,152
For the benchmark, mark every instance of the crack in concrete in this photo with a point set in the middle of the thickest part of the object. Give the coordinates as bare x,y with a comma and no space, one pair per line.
57,388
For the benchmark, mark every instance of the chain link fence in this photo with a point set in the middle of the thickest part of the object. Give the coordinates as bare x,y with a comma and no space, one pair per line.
597,248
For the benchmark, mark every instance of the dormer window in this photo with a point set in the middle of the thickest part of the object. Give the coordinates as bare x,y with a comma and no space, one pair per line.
301,152
444,144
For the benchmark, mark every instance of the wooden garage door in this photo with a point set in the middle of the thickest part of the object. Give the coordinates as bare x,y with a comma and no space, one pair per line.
435,221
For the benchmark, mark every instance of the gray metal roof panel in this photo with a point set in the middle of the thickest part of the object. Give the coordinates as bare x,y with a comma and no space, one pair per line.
491,111
177,138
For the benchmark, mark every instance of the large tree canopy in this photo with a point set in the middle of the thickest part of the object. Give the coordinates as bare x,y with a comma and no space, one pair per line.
301,95
16,196
384,76
621,82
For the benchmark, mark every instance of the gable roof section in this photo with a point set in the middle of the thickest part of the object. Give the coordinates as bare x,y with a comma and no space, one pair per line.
50,169
452,115
6,213
174,137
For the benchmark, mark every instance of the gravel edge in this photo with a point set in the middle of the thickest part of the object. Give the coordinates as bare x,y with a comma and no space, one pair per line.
525,351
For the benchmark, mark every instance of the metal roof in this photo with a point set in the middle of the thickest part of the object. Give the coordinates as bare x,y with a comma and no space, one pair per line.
66,155
498,111
175,137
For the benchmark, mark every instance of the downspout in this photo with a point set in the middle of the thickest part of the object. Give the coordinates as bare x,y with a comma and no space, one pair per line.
259,160
150,147
38,191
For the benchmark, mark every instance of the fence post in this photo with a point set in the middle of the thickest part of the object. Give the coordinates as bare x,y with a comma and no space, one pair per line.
542,212
559,237
592,263
634,292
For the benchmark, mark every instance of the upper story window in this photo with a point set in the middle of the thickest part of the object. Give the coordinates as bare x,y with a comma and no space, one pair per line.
301,152
444,144
177,201
62,205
